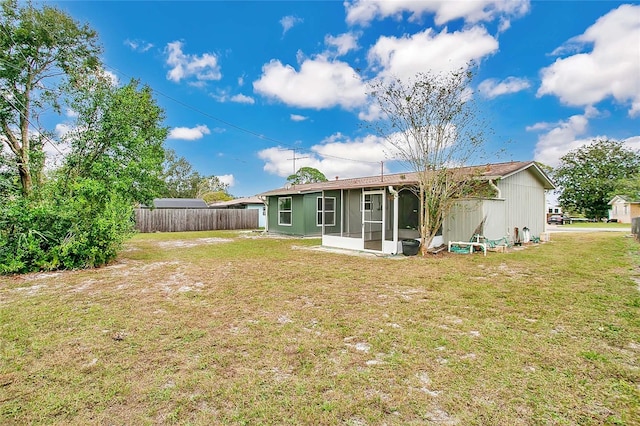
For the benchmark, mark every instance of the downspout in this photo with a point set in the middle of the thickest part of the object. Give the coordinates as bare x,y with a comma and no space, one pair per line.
494,186
395,217
499,197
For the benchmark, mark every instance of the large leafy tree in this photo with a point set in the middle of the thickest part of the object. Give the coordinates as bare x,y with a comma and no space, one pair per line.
43,53
80,215
84,211
118,139
628,187
182,181
588,176
306,175
432,125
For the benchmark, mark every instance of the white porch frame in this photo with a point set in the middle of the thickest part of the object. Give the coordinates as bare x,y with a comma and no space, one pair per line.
391,246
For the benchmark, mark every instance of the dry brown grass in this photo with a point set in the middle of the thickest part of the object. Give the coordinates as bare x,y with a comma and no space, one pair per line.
218,328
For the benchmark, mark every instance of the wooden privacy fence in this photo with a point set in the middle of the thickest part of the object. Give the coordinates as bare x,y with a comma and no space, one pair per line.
177,220
635,227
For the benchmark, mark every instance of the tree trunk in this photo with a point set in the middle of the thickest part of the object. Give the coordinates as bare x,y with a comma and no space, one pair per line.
424,244
25,179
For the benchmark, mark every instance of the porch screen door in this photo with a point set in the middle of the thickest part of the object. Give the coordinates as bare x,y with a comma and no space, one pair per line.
373,216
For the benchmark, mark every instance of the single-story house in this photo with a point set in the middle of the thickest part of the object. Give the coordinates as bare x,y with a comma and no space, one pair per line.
623,209
376,213
244,203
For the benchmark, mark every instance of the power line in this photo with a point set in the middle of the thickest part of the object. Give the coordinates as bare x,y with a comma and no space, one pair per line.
36,128
240,128
227,123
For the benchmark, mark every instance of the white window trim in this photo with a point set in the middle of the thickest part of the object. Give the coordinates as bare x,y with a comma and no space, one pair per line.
323,211
290,211
363,203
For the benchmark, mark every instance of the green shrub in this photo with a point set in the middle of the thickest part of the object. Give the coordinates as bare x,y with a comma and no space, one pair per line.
84,226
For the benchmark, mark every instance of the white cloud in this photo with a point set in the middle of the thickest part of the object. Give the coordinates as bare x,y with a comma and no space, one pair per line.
319,84
403,57
341,44
492,88
222,95
138,45
364,11
62,129
183,66
563,136
296,117
335,156
371,112
189,134
112,77
242,99
289,22
227,179
611,69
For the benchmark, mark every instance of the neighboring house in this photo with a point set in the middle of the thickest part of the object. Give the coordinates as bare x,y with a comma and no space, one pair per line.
623,210
179,203
244,203
551,210
376,213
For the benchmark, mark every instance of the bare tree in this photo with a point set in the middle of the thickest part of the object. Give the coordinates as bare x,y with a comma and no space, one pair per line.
431,124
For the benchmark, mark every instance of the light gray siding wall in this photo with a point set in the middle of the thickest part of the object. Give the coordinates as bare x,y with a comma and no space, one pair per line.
495,226
468,215
462,220
524,202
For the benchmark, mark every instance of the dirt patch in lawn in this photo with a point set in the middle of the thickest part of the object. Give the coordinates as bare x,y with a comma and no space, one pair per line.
192,243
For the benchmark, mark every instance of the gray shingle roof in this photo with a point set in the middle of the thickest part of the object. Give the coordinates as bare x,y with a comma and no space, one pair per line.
487,171
179,203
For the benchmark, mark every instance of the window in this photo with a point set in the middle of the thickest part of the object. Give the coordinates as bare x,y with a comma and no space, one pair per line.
284,211
550,210
367,203
329,211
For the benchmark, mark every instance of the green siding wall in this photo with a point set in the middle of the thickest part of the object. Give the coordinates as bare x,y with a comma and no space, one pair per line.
303,215
297,226
309,213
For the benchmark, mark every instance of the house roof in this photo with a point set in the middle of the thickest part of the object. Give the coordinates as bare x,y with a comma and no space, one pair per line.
179,203
623,199
486,172
237,202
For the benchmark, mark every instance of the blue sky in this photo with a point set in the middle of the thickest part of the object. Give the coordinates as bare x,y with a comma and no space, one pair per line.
245,83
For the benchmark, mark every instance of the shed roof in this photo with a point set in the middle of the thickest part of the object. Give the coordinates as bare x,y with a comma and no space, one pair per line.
179,203
486,172
237,202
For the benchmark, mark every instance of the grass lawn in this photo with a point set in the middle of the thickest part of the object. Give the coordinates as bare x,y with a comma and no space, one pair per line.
228,328
600,225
